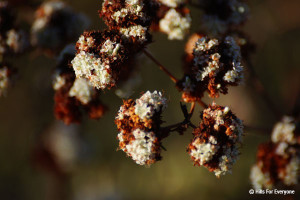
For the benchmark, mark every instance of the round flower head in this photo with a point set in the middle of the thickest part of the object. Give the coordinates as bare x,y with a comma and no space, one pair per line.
216,65
176,23
216,141
287,130
72,94
276,162
56,24
222,15
131,18
6,73
139,125
102,58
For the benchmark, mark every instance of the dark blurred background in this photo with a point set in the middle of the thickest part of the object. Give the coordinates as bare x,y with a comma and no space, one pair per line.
101,172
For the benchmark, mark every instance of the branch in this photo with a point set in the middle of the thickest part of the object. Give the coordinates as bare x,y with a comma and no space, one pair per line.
147,53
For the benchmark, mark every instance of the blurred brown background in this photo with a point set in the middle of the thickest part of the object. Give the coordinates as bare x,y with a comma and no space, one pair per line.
104,173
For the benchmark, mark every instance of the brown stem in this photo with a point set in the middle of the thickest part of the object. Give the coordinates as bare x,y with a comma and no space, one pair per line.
259,87
192,109
147,53
202,103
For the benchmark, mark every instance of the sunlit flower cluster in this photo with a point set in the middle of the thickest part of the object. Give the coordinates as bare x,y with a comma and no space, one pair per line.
72,94
139,124
279,160
215,65
217,139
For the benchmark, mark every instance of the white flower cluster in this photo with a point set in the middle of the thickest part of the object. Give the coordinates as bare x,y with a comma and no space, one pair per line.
82,90
16,40
284,131
91,66
141,148
172,3
175,25
139,32
58,81
4,81
132,7
260,179
88,66
204,152
234,75
149,104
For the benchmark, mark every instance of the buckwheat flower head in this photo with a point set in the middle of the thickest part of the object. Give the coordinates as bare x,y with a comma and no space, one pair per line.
286,131
172,3
216,65
72,94
222,15
101,58
175,24
139,124
56,24
217,139
276,162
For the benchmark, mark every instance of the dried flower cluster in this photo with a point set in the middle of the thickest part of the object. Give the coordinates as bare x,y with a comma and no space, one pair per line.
55,25
74,94
103,58
223,15
132,18
216,141
139,123
215,65
278,160
173,18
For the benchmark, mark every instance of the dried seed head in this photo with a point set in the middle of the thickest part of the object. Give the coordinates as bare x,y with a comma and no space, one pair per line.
139,125
222,15
101,58
72,94
131,18
56,24
216,65
216,141
276,162
286,131
175,24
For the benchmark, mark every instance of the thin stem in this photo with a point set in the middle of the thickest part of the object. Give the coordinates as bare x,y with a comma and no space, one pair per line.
259,87
192,109
147,53
202,103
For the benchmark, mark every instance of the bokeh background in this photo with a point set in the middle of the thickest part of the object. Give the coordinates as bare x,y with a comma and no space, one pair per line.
102,172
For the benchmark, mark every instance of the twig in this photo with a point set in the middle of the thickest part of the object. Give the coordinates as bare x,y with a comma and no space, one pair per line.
147,53
202,103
